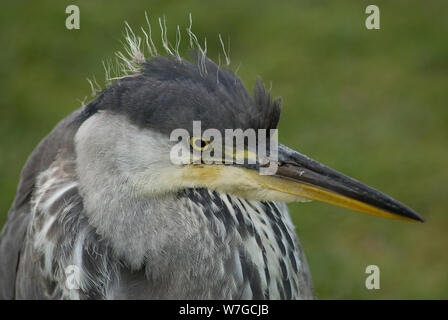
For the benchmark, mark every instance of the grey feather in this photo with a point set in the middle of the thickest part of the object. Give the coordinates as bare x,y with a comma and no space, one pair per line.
85,199
13,233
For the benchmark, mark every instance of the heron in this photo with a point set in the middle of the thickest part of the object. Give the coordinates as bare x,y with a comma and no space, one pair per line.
101,201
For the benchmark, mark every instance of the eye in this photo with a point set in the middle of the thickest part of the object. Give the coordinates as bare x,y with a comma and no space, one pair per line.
199,143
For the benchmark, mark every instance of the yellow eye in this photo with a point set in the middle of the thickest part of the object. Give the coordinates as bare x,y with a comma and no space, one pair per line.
199,143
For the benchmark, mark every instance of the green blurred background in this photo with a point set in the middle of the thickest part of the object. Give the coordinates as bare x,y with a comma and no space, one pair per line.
372,104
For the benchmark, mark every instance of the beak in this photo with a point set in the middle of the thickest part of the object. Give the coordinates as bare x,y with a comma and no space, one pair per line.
301,176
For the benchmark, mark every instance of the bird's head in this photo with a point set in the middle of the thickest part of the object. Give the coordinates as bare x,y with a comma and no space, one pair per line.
166,129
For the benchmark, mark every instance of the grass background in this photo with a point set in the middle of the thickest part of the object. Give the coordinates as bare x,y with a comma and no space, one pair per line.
372,104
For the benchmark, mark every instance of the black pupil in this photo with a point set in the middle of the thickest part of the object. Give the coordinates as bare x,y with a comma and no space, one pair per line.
200,143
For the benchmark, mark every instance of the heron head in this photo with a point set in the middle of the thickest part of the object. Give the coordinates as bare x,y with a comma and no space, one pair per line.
143,130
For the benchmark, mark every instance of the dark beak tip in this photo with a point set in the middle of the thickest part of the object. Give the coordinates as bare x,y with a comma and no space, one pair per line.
421,219
415,216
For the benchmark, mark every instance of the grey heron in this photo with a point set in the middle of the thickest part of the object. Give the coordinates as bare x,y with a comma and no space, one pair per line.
100,194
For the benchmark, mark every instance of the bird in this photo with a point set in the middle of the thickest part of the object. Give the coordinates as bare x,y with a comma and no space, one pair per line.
102,212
